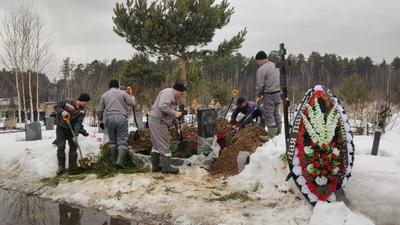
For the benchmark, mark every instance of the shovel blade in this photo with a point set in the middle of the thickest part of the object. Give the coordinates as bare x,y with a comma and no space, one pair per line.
83,162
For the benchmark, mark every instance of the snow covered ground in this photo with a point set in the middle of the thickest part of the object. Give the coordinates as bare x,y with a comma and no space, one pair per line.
258,195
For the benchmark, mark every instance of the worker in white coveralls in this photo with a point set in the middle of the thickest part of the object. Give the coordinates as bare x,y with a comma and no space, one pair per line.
268,88
113,114
163,115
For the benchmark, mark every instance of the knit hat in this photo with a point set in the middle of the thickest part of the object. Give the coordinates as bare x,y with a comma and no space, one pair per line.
261,55
240,100
113,84
84,97
179,86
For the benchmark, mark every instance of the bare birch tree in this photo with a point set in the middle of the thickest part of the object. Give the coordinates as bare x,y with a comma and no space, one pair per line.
27,51
11,44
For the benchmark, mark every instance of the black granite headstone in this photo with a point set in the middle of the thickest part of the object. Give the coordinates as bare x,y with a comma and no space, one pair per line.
206,119
33,131
49,121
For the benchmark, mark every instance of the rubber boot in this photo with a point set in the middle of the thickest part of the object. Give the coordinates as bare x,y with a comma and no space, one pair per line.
166,167
155,162
113,155
279,129
72,162
120,159
272,132
61,163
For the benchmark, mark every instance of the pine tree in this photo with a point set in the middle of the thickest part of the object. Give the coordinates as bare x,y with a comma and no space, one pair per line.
179,28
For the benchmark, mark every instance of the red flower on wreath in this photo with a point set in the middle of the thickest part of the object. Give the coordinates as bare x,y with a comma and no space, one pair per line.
313,144
332,187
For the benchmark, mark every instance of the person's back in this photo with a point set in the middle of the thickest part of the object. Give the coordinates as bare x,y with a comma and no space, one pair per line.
113,108
116,102
164,106
268,80
250,107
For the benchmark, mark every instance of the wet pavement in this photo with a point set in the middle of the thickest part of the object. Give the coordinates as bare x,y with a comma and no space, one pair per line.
18,209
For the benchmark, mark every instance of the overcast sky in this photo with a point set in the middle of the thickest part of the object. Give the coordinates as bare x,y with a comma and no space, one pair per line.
82,29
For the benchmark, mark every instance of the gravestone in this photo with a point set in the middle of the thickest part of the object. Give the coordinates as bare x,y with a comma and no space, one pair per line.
206,122
33,131
50,122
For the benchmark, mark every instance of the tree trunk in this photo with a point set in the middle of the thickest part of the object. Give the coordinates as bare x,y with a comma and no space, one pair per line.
183,68
23,98
37,95
30,94
18,96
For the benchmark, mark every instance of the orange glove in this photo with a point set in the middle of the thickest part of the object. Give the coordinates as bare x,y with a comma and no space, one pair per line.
129,90
235,93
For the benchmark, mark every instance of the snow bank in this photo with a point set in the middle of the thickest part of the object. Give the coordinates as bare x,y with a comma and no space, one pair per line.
38,158
185,198
336,214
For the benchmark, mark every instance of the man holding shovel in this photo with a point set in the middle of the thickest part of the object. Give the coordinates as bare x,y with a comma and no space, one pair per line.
113,110
70,114
163,115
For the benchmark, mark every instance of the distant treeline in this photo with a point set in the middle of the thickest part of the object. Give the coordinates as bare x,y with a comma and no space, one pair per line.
354,79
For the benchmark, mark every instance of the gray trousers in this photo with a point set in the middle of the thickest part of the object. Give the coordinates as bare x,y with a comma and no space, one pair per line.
159,135
117,128
271,109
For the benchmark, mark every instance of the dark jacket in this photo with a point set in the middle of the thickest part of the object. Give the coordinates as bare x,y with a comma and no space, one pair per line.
250,107
77,115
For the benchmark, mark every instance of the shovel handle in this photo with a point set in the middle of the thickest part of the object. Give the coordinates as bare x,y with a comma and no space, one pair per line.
68,122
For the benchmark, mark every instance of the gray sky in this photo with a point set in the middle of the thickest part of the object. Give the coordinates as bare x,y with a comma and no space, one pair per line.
82,29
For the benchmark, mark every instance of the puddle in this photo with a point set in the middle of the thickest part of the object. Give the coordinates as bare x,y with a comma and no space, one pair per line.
18,209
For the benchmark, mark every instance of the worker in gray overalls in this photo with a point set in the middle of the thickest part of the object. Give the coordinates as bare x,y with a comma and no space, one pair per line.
269,90
113,108
163,115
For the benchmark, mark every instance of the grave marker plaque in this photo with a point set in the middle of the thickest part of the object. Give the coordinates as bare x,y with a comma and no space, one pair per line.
33,131
206,122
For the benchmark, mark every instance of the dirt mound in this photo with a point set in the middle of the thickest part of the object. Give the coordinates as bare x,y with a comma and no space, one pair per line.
245,140
232,143
140,141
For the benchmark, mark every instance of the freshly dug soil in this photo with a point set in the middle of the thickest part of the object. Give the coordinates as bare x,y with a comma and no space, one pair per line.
226,164
140,141
245,140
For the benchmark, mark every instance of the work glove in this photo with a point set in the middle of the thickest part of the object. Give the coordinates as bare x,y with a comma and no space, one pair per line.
101,125
178,115
65,114
259,101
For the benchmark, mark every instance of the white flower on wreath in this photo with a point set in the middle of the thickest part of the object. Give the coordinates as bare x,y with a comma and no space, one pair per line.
322,180
320,131
336,151
335,170
309,151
